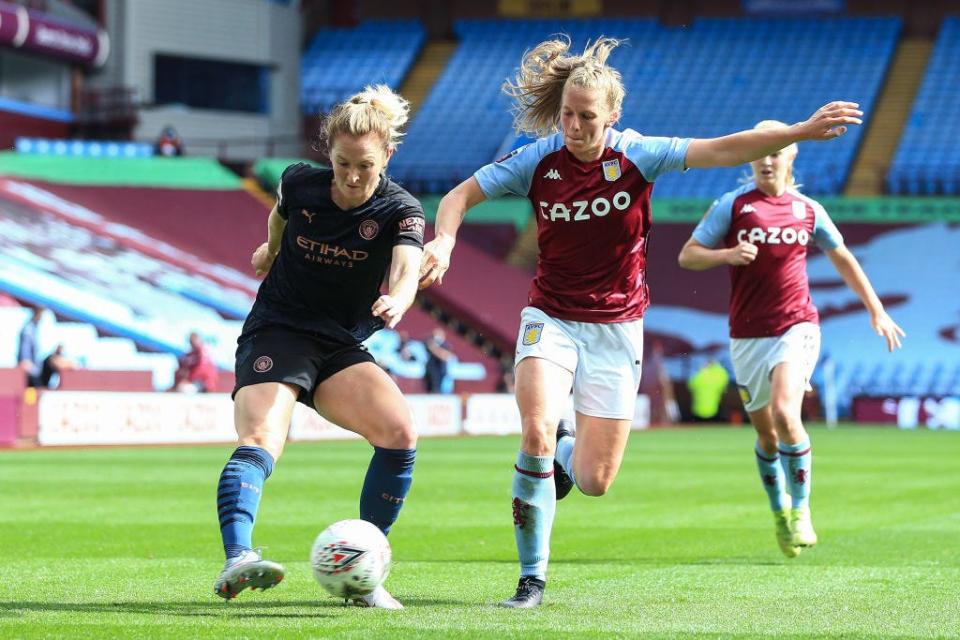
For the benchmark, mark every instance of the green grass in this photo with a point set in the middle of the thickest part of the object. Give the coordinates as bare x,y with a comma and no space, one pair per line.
124,543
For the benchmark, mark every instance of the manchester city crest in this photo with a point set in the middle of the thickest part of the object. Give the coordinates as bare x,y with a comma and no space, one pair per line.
369,229
611,170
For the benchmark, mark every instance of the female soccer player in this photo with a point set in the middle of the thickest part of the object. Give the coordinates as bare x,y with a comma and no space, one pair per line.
764,228
330,238
590,188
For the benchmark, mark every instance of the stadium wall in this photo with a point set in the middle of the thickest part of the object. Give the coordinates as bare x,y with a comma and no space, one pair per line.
74,418
246,31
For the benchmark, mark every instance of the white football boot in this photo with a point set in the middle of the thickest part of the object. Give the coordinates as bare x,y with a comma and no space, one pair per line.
248,570
379,598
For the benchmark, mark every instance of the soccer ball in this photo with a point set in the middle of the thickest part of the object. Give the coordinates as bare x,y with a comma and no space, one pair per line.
350,558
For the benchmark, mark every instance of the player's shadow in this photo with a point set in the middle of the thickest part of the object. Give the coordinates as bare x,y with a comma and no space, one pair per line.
195,609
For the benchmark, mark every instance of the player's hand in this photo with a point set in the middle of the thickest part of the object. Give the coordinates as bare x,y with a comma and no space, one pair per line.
742,254
887,329
830,121
389,310
262,259
435,261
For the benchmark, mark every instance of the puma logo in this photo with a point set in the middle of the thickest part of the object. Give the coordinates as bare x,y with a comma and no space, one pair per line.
307,215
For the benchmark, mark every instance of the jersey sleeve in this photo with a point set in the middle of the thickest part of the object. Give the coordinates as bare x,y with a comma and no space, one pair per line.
656,156
409,227
513,173
825,233
287,179
716,222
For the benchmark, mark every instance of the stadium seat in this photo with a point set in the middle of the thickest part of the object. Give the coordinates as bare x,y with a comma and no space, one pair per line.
694,81
927,159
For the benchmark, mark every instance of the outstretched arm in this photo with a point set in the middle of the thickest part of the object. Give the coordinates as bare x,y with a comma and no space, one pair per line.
849,269
453,207
829,121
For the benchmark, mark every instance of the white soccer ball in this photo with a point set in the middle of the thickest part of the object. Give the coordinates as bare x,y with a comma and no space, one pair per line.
350,558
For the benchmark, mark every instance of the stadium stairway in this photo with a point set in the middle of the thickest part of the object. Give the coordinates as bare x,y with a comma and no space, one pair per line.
425,71
887,121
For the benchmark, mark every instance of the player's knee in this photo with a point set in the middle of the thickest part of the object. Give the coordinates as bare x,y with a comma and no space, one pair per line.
397,433
594,486
595,481
780,411
266,441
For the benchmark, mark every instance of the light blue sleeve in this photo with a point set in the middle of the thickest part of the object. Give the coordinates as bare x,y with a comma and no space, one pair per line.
656,156
715,224
825,233
513,173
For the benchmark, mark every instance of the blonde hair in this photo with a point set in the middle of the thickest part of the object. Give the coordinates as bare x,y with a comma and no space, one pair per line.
544,72
376,109
776,124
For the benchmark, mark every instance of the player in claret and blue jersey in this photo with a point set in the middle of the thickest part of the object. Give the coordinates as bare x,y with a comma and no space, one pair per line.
763,230
590,187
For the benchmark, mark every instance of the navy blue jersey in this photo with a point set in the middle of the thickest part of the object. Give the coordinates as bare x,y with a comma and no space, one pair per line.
332,262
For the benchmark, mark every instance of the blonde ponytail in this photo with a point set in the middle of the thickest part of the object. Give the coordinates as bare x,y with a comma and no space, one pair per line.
376,109
545,70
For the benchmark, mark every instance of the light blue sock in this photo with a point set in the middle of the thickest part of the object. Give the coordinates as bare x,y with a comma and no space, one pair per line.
797,462
534,503
771,475
565,455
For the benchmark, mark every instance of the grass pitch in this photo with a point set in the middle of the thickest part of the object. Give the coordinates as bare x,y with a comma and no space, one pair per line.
124,543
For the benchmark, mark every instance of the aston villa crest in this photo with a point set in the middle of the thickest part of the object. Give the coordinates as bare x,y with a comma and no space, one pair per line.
611,170
799,210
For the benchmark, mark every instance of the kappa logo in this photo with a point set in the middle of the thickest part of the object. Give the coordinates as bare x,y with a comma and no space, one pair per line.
308,215
747,208
611,170
553,174
263,364
531,333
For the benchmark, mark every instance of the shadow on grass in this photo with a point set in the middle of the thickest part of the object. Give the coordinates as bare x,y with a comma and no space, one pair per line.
207,609
187,609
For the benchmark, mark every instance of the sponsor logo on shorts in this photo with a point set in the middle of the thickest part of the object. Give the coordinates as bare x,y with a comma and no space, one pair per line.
531,333
369,229
744,394
263,364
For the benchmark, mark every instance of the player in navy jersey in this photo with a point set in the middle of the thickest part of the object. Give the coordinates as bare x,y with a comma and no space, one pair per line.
590,188
764,228
331,238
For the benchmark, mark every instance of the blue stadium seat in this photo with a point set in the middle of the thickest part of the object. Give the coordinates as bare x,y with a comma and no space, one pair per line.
339,62
694,81
926,159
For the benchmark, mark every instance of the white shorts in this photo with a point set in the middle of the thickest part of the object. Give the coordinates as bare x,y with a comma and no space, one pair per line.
755,358
603,357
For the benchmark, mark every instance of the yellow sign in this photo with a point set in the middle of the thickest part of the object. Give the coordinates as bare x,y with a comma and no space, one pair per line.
549,8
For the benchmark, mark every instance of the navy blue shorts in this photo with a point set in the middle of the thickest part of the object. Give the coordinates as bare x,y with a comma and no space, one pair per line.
301,359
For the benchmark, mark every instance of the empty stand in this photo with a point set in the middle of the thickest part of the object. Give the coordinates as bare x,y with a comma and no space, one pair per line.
340,61
927,160
713,78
